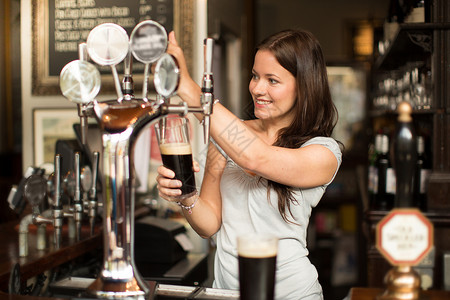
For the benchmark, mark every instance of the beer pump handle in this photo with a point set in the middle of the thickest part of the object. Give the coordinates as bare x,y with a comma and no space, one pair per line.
405,156
207,87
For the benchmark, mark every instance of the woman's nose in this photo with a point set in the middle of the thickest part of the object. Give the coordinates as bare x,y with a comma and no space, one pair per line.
258,87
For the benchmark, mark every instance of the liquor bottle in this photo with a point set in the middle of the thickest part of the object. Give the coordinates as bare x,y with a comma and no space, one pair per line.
386,186
394,17
422,172
372,186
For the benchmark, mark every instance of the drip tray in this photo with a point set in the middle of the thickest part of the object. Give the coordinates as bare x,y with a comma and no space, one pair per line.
75,286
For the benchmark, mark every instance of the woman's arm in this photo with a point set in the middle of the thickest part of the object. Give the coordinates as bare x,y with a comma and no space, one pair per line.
206,216
304,167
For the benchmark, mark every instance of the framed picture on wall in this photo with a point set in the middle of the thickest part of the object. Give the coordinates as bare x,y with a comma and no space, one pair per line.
50,125
59,27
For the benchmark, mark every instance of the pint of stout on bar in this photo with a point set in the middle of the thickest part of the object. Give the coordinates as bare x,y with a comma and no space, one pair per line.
176,151
257,265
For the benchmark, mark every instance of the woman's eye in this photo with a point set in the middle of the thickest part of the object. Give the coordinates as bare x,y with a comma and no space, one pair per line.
273,81
254,76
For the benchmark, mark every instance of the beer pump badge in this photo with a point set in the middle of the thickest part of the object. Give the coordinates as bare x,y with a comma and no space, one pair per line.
404,237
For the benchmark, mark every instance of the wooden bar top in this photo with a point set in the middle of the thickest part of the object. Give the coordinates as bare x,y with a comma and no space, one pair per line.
39,261
359,293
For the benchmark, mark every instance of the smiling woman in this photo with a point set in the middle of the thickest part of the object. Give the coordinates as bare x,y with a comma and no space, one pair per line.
264,176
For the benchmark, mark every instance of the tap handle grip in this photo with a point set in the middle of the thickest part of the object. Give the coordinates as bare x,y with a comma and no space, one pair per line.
208,46
95,162
77,197
57,200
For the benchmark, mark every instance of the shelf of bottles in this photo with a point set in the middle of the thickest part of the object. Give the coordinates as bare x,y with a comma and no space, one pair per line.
402,72
381,174
402,62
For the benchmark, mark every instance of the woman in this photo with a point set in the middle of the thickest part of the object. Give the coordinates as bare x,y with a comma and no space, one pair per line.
265,175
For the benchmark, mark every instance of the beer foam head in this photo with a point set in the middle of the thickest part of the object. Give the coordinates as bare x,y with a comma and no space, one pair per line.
257,246
175,148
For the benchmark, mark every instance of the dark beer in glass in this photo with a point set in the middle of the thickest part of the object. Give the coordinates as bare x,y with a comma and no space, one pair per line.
176,151
257,265
178,158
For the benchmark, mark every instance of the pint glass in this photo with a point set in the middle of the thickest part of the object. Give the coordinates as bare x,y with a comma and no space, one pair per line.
176,152
257,265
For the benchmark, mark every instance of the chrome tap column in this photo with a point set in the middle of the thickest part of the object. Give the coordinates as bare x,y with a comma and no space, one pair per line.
120,124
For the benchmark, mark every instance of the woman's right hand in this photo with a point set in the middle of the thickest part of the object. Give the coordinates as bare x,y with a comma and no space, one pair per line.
168,186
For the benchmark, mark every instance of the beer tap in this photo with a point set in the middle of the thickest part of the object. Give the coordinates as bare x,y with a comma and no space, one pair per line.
405,156
35,192
121,122
92,213
82,107
148,41
108,45
207,97
77,203
58,213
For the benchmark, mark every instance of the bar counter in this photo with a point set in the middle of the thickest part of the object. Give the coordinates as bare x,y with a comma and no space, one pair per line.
358,293
39,261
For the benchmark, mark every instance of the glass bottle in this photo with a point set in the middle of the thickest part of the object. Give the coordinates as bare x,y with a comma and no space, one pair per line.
386,186
422,173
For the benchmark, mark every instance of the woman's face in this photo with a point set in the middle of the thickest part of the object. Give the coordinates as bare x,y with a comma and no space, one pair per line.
273,88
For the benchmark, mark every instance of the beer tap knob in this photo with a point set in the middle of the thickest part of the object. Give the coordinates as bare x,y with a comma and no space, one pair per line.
207,97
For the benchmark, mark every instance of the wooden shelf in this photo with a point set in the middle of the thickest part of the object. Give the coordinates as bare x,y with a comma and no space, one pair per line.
413,42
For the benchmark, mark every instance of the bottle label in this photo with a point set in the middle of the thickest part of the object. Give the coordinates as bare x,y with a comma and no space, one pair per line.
391,181
372,180
375,180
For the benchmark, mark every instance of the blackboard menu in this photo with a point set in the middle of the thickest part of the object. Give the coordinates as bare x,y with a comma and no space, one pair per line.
70,22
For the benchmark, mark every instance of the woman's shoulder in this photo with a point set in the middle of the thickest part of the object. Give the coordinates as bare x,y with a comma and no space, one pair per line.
327,142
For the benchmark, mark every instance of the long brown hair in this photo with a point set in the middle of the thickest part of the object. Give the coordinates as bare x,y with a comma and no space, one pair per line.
299,52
